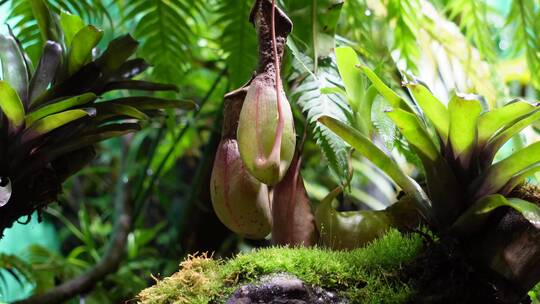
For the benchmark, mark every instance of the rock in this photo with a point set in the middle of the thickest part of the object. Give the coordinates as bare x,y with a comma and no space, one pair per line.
283,289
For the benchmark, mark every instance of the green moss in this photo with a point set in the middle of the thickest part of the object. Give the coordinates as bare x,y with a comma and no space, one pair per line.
196,282
535,294
366,275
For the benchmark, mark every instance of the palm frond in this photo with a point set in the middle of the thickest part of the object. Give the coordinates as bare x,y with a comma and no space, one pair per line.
307,94
238,39
407,17
21,18
15,267
524,16
166,29
366,29
472,16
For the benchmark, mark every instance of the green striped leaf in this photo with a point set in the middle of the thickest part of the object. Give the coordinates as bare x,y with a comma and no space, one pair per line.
410,126
47,21
80,51
12,107
476,215
464,114
112,109
46,70
54,121
355,86
500,173
506,134
392,97
433,108
117,52
71,25
491,122
366,147
14,66
59,107
441,181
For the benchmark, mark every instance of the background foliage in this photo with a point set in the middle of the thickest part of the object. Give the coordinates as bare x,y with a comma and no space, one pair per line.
208,48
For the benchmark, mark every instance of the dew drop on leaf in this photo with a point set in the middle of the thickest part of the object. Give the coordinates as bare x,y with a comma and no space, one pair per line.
5,190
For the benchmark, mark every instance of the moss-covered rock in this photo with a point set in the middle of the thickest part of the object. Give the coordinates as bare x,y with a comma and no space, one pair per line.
366,275
535,294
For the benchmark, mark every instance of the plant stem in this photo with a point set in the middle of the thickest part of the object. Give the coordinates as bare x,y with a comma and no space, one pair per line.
276,148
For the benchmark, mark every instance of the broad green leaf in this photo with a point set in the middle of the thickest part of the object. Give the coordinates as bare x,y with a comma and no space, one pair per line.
366,147
333,90
410,126
52,122
46,70
316,22
464,115
71,25
507,133
392,97
355,86
518,178
476,215
433,108
48,154
347,60
14,66
153,103
117,52
59,106
500,173
83,81
491,122
314,103
80,51
131,68
47,22
108,108
441,181
349,229
27,61
325,16
12,107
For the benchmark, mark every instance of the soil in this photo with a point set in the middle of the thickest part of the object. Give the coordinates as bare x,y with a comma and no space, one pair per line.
443,273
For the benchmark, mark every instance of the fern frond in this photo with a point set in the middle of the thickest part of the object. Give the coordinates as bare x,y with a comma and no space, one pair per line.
407,17
20,270
238,39
25,26
307,94
472,15
166,29
364,29
524,16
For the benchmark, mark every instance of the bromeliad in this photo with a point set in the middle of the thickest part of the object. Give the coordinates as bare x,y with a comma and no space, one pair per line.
52,117
457,144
